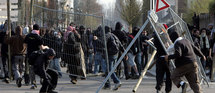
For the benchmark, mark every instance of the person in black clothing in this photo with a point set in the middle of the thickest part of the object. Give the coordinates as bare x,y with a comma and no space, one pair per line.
212,56
122,36
185,62
4,51
113,48
90,51
204,45
196,38
85,45
99,52
33,42
161,68
49,76
144,48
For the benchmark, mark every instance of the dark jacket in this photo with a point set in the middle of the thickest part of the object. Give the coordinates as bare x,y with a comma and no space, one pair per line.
41,64
109,38
98,44
144,48
84,42
196,41
33,42
136,46
158,45
56,43
17,44
121,34
185,53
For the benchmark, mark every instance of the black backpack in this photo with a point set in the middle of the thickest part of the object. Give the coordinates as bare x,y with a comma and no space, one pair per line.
113,45
33,56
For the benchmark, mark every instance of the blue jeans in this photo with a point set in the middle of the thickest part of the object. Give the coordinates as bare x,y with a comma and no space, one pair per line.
99,60
17,65
55,64
112,60
139,61
89,62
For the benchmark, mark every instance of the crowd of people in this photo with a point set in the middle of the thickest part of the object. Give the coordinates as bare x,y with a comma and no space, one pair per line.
78,45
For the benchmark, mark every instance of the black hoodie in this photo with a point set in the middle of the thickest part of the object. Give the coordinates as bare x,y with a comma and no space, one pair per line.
121,34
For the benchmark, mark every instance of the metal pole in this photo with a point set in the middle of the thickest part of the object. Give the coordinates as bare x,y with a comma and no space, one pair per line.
9,30
31,12
123,55
150,4
105,41
153,5
144,71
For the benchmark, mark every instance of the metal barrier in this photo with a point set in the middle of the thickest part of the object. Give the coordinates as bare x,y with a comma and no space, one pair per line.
78,56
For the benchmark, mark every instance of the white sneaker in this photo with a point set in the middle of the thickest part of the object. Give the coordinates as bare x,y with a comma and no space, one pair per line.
118,85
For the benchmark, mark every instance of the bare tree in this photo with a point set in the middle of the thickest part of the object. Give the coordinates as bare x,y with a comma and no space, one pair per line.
90,7
130,11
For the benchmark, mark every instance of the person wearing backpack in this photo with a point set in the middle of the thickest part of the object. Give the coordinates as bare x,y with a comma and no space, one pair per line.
114,46
123,37
18,51
49,76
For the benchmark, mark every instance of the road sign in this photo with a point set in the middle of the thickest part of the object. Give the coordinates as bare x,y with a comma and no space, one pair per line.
153,16
161,4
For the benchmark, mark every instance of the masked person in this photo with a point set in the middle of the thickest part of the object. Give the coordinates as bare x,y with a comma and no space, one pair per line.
185,62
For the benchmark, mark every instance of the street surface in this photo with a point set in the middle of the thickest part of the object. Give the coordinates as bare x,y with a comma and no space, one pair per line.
91,84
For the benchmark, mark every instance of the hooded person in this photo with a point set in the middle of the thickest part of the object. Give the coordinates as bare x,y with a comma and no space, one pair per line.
162,69
114,46
49,76
99,51
185,62
122,36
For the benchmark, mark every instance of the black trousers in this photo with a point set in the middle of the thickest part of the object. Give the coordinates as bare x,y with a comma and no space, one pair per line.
50,83
161,70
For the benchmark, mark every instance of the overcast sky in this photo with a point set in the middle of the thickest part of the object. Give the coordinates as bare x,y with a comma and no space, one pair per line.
106,3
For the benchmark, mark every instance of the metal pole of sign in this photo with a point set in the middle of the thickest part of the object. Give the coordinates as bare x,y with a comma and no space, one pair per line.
123,55
153,4
150,4
145,69
105,43
9,30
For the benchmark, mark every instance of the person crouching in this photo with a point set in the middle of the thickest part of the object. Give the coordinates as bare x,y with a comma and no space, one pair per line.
49,76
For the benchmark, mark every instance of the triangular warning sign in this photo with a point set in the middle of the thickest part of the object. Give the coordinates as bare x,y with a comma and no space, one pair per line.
161,4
